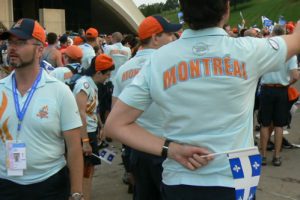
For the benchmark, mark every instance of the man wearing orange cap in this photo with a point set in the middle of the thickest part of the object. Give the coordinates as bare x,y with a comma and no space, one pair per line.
86,94
38,116
154,32
88,47
72,57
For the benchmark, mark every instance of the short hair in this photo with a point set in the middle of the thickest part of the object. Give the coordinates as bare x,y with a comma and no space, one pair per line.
51,38
117,36
278,30
203,14
148,40
72,60
90,39
63,39
131,40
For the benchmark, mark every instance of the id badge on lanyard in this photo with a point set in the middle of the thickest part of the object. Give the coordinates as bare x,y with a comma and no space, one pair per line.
15,157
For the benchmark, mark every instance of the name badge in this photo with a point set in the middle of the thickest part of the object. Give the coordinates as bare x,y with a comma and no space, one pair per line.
15,158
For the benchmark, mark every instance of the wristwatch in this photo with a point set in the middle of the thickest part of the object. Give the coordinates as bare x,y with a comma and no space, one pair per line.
165,148
76,196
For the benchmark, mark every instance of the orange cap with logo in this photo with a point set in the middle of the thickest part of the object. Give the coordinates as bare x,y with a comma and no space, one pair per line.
103,62
26,29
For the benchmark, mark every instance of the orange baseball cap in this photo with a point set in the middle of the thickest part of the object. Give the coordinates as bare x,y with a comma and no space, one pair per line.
26,29
103,62
156,24
91,33
77,40
73,52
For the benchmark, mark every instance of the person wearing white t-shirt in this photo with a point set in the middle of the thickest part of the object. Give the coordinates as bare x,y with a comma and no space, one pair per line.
86,94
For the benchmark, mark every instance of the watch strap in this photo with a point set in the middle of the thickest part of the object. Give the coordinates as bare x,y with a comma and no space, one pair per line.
165,148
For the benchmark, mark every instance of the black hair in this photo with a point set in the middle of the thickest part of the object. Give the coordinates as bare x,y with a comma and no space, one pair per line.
91,71
51,38
63,39
131,40
203,14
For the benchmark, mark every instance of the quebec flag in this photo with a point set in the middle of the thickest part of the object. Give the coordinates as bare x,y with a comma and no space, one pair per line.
266,21
246,168
107,156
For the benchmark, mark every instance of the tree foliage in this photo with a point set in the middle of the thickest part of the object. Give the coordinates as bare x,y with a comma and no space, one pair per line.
157,8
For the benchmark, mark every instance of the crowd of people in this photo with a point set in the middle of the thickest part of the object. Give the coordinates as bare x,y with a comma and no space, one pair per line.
172,97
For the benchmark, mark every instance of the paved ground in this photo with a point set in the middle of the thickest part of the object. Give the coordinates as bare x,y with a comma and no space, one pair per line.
277,183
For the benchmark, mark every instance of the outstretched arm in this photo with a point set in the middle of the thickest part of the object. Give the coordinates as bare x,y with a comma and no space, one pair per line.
293,42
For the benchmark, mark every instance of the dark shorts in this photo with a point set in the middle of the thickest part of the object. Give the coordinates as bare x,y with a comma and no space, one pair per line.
92,160
147,170
57,187
187,192
274,106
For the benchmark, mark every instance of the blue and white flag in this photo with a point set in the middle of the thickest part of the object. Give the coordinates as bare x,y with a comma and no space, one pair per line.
281,21
180,17
246,168
106,155
266,21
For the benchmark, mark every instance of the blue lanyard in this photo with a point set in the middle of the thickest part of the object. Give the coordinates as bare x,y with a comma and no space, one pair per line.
21,113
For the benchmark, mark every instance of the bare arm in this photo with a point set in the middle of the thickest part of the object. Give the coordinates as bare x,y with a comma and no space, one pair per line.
293,42
74,159
81,99
294,76
58,59
121,125
113,101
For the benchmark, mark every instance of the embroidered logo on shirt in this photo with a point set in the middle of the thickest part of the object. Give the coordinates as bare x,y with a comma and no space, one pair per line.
200,49
43,113
86,85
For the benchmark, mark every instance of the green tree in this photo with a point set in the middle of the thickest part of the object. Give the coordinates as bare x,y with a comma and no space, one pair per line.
171,5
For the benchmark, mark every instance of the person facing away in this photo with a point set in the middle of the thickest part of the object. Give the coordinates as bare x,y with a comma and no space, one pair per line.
38,117
119,53
204,84
274,103
154,32
88,47
51,54
86,94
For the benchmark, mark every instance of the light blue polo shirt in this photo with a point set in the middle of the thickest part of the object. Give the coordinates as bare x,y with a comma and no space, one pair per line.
88,86
205,84
52,110
152,119
283,75
88,55
119,53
